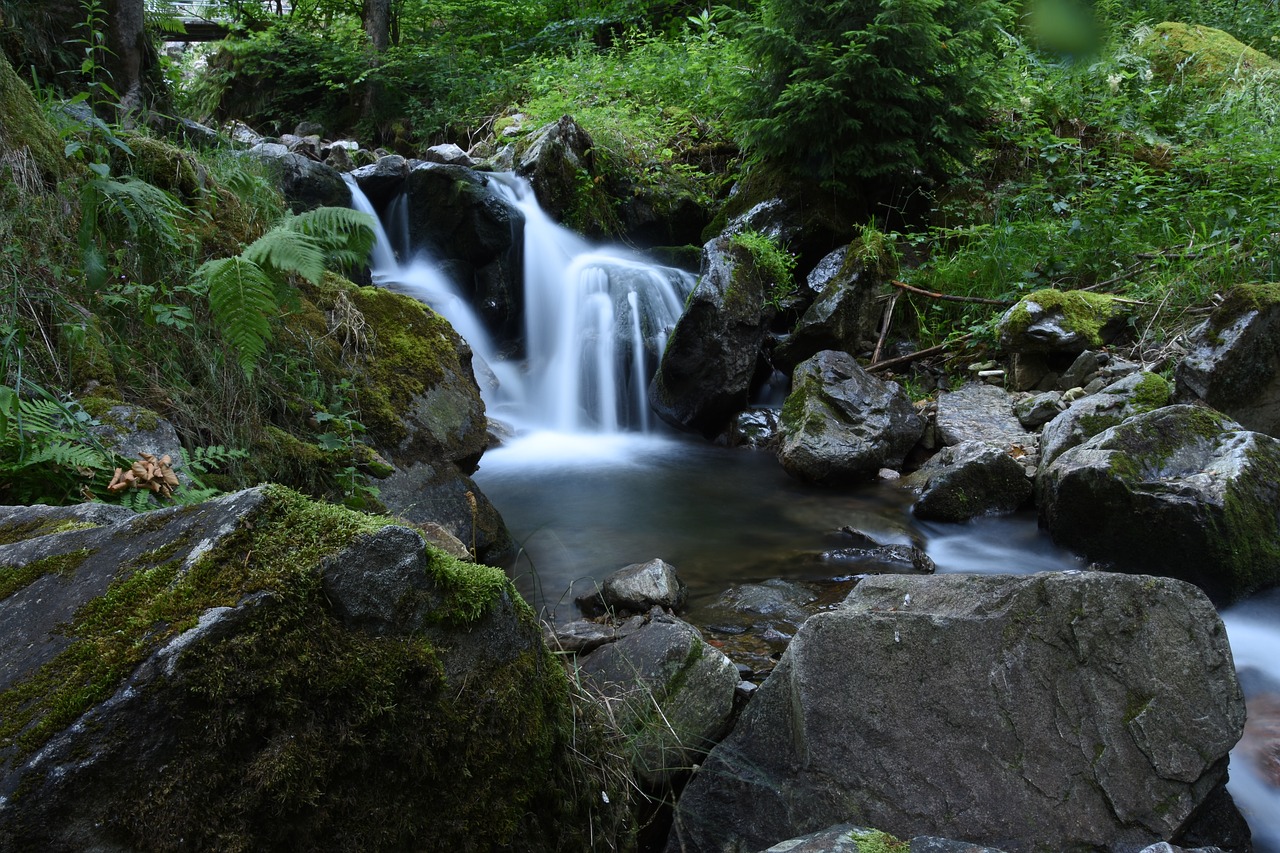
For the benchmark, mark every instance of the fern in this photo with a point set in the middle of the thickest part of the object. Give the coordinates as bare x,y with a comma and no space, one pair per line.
241,296
242,289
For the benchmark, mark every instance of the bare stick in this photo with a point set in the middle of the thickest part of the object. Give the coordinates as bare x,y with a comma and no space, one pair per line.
919,354
886,322
947,296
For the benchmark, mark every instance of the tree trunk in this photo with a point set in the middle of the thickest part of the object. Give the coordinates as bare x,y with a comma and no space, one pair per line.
129,56
377,25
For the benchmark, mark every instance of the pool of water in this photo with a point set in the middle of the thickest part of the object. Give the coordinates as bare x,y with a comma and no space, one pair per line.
583,506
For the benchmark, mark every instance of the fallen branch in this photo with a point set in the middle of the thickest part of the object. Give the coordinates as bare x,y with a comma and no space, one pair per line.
947,296
918,354
885,323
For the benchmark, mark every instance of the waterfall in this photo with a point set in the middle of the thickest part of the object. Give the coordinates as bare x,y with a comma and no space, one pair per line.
596,320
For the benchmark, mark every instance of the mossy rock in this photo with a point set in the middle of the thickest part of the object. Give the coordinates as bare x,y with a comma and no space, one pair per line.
30,152
1182,491
1061,321
263,672
1202,54
172,169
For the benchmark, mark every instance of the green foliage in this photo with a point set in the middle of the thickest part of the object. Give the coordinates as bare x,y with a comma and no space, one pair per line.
773,264
46,454
852,91
247,290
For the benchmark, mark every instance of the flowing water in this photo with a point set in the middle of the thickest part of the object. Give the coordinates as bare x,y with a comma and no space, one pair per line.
592,483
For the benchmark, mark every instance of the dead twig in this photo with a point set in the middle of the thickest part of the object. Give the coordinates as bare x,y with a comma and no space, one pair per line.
918,354
980,300
885,323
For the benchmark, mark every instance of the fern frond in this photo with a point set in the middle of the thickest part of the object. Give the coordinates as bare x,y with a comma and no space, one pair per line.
147,210
69,455
242,299
284,250
346,235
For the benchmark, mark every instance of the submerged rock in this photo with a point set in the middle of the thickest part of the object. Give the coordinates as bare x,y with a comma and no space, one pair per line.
261,672
840,424
1047,712
1181,491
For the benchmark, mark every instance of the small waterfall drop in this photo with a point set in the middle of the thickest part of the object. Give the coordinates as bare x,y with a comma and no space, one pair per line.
595,320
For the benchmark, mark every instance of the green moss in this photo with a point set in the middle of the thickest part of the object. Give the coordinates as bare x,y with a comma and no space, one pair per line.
1152,392
27,142
1242,299
86,355
98,406
14,578
168,167
471,588
1083,312
875,841
1148,445
1248,530
1202,54
18,532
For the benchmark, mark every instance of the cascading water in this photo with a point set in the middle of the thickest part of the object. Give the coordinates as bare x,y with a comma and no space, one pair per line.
596,320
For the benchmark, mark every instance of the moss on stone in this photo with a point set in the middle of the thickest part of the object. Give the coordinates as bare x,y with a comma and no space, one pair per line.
1242,299
1082,311
1203,54
26,139
19,532
14,578
1152,392
87,357
875,841
172,169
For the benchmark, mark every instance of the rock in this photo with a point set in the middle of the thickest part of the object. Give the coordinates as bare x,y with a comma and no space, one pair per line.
840,424
668,688
1054,321
880,559
826,270
1234,361
1184,492
1203,55
967,480
305,183
706,371
338,157
449,154
1087,416
978,412
259,672
438,492
841,317
580,636
1081,372
927,844
462,219
556,159
638,588
844,838
131,431
1038,410
1057,711
382,180
757,428
776,599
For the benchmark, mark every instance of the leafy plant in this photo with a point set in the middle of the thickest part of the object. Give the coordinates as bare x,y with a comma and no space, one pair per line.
247,290
774,265
46,454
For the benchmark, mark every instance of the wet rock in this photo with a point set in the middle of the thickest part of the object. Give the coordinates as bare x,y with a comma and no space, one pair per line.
1234,361
881,559
843,838
448,154
1038,410
840,317
774,599
638,588
926,844
425,492
967,480
758,429
1185,492
556,159
1023,713
581,636
1054,321
706,371
305,183
381,180
840,424
978,412
1088,415
669,687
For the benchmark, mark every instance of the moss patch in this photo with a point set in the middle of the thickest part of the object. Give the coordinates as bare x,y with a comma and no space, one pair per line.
29,149
1242,299
168,167
1083,312
1210,55
875,841
14,578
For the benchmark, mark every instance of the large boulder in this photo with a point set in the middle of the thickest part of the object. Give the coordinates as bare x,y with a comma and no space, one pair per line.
1060,711
262,672
559,161
840,424
705,375
843,314
979,412
670,692
462,218
1086,417
1234,362
382,180
1181,491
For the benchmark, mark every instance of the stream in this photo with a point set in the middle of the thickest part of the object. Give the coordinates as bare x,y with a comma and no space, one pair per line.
593,483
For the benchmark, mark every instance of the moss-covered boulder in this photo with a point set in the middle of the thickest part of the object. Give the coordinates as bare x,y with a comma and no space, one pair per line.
1181,491
1058,321
1132,395
843,314
30,153
840,424
262,672
1202,54
559,161
1233,363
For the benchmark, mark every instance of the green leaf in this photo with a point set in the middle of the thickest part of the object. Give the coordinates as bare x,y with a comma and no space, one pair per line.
242,300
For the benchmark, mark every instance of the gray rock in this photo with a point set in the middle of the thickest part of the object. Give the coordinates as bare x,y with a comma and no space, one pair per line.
305,183
1089,415
381,180
1083,370
422,492
581,636
705,374
669,688
977,412
1038,410
839,319
1025,713
1234,361
449,154
640,586
826,270
555,159
841,424
1183,492
927,844
967,480
132,431
774,599
754,428
838,839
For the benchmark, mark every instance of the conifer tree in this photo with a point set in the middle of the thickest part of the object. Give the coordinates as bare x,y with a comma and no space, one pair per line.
850,92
